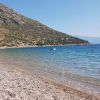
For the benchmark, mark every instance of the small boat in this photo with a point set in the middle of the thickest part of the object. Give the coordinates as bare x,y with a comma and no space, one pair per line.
52,49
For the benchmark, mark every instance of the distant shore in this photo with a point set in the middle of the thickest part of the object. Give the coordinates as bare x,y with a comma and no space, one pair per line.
29,46
16,83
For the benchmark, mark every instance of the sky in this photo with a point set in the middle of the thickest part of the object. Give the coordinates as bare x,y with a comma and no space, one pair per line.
75,17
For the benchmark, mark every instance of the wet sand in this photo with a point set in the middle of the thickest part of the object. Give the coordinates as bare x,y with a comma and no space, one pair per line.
19,84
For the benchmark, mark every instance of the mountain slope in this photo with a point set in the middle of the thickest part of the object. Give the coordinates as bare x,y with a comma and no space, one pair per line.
19,31
93,40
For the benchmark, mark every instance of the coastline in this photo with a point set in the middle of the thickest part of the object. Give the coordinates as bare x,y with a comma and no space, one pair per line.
29,46
16,83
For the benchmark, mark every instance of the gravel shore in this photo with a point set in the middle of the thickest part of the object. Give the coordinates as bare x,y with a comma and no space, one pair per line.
17,84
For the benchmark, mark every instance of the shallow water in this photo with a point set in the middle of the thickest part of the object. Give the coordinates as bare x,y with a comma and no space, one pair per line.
79,63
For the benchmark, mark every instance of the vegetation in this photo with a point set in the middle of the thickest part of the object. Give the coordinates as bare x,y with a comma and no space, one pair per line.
18,30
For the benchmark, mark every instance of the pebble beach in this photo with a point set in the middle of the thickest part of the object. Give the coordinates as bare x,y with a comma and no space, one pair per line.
18,84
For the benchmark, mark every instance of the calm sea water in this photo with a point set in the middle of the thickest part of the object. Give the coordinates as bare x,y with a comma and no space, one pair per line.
65,61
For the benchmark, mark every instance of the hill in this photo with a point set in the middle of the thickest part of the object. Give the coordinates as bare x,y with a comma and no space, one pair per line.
17,30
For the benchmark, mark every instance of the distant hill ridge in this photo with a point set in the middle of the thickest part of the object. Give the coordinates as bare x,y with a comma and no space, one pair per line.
17,30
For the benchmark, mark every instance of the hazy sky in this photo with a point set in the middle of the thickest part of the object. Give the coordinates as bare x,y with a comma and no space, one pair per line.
76,17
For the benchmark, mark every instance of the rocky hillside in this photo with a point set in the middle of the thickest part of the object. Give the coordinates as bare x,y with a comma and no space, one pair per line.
17,30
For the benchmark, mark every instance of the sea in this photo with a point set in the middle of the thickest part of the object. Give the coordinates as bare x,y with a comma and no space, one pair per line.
75,65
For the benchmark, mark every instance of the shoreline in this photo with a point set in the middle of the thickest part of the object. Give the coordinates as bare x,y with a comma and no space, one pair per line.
19,77
34,46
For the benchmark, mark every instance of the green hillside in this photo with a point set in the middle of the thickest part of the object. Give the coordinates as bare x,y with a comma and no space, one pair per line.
17,30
